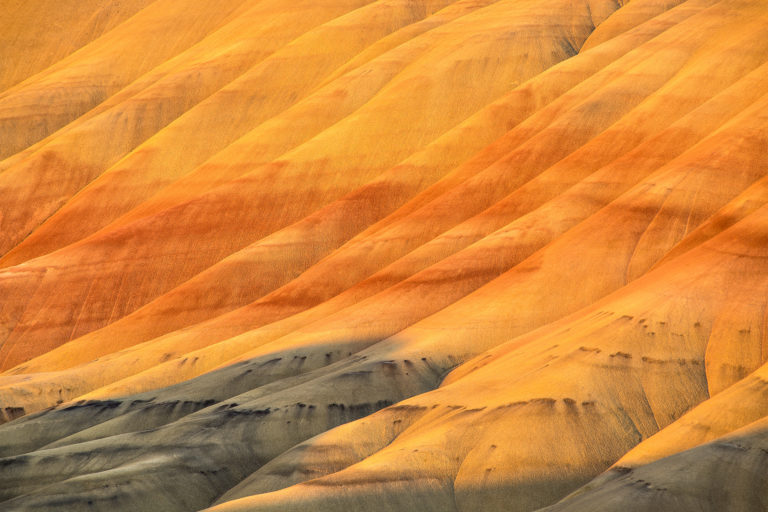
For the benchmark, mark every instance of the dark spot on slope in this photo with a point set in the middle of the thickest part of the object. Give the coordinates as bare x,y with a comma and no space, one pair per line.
408,407
367,408
247,412
358,373
11,413
14,461
513,404
96,404
732,445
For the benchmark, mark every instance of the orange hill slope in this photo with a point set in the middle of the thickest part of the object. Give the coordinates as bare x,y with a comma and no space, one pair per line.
384,255
240,210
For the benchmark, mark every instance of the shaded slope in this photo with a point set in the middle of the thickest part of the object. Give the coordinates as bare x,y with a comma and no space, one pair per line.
652,302
724,474
460,442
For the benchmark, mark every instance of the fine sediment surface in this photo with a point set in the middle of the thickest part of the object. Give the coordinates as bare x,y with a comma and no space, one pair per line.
384,255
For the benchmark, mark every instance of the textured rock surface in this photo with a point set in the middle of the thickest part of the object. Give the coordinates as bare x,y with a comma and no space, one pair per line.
384,255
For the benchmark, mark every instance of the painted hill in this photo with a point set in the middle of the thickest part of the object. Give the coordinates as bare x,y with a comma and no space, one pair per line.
384,255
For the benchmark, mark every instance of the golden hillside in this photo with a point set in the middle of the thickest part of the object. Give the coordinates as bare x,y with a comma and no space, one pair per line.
384,255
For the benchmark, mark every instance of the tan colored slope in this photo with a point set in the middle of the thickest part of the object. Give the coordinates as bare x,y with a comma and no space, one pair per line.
90,144
35,108
87,347
630,15
729,410
537,290
668,293
603,338
731,407
519,427
446,144
510,245
745,203
424,55
488,330
273,76
468,268
223,216
436,159
725,474
33,29
734,408
60,461
396,308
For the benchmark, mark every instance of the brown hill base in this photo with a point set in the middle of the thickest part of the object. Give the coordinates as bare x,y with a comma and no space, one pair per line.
379,255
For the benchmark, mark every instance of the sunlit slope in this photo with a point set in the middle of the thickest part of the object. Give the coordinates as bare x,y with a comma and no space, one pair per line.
571,396
532,203
34,31
609,375
423,97
724,474
245,72
388,255
80,81
465,446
